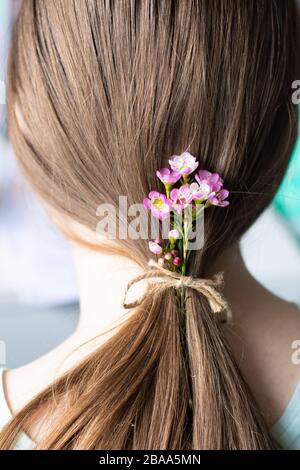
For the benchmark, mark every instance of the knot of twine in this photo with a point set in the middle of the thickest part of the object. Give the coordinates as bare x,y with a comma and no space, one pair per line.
209,288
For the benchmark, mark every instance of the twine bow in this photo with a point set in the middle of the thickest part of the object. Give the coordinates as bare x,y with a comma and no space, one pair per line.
209,288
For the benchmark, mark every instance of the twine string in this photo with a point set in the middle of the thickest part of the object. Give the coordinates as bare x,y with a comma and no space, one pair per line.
165,279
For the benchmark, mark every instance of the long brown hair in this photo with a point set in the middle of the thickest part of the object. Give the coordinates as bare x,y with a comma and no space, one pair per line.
107,90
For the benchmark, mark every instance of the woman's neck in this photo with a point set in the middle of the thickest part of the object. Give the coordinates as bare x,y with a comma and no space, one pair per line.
102,279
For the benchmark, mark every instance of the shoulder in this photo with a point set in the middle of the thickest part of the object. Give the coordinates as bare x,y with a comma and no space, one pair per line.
266,345
23,441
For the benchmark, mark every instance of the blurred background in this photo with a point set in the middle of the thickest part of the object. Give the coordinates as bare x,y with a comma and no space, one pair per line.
38,290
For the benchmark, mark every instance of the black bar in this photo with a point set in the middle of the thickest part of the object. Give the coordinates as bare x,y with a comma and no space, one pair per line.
138,459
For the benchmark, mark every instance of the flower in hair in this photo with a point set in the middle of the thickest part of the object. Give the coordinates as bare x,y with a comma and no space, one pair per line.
200,191
219,198
174,235
184,164
158,204
168,176
155,247
211,180
184,189
181,197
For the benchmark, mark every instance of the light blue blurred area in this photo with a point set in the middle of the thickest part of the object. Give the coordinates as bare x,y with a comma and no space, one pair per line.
4,32
287,201
38,289
5,23
27,332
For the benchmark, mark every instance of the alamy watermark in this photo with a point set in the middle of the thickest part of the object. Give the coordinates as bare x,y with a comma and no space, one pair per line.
133,222
295,358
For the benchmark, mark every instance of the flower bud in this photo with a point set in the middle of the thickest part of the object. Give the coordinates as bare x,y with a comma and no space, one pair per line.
177,261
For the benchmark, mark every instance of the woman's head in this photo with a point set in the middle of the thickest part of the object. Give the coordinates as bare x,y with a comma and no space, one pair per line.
107,91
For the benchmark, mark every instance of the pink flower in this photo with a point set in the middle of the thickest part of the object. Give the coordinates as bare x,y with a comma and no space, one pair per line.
155,248
219,198
183,164
177,261
181,197
174,235
207,179
167,176
158,204
200,191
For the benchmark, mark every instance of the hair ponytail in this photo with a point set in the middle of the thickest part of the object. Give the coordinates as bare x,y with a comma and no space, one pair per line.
150,387
129,394
225,415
